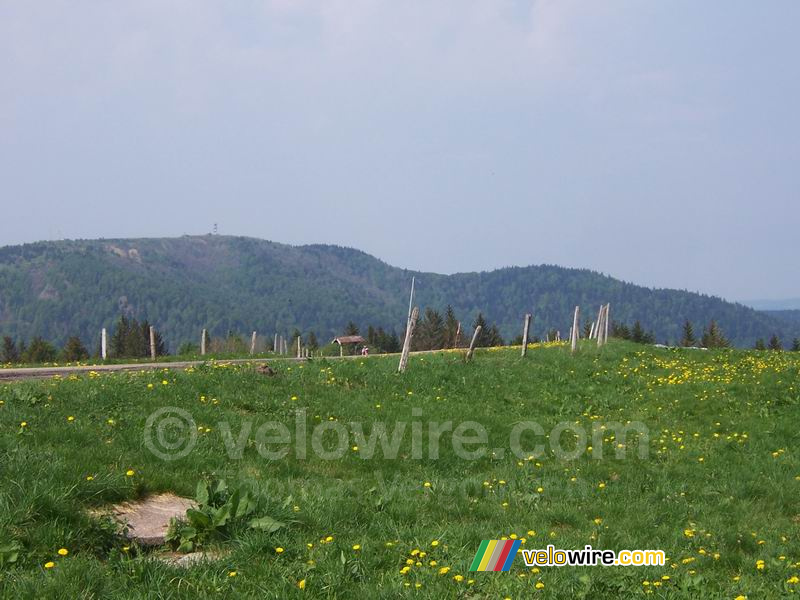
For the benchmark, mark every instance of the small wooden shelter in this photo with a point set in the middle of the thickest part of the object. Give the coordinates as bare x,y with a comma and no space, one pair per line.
348,339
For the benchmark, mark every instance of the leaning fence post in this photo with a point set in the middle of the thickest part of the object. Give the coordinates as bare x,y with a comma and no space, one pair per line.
575,325
525,330
412,323
473,342
253,343
598,331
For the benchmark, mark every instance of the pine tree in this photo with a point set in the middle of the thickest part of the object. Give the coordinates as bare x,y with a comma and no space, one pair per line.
688,340
351,329
713,337
10,352
450,327
760,345
119,337
637,333
493,337
430,333
620,330
389,342
40,351
775,343
313,343
74,350
481,342
796,345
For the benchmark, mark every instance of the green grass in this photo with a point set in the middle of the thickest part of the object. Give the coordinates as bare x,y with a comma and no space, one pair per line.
715,518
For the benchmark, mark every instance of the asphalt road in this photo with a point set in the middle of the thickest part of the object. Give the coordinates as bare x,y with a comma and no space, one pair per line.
45,372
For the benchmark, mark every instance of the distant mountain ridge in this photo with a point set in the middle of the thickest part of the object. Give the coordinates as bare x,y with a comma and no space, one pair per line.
223,283
774,305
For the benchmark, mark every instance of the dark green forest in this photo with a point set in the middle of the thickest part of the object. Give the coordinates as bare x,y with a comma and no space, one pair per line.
56,290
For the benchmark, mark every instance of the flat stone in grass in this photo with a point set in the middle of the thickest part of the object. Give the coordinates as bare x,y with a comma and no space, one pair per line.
189,560
147,521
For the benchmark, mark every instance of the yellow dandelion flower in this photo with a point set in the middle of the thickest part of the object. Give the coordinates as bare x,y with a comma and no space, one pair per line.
130,473
63,551
49,565
301,584
279,550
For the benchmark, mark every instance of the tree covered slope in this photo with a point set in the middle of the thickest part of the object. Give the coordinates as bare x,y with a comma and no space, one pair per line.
58,289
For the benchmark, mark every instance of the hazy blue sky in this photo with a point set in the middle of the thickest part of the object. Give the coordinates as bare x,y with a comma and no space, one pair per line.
654,141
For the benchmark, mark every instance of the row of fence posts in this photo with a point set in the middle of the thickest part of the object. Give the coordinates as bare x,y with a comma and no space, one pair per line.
280,345
597,331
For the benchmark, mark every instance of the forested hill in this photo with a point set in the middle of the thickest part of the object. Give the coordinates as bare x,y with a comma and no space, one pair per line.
58,289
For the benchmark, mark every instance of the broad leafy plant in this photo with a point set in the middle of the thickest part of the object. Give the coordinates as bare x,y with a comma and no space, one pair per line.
218,509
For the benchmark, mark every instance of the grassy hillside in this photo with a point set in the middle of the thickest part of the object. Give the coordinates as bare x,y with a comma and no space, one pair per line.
716,489
57,289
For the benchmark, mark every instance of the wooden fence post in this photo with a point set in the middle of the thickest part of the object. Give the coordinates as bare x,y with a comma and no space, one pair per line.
525,331
103,343
602,326
575,332
599,327
475,335
598,322
299,347
458,335
412,323
152,343
203,336
253,344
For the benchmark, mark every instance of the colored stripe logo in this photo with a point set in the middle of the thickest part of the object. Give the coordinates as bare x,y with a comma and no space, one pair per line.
495,555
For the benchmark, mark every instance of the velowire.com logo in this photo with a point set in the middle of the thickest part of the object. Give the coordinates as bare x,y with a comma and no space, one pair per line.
495,555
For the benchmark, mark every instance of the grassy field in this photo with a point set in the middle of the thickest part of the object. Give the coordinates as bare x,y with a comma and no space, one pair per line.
717,490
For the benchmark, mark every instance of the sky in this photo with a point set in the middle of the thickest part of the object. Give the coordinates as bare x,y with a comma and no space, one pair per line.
657,142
